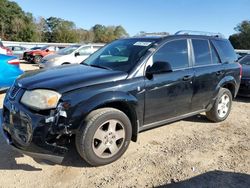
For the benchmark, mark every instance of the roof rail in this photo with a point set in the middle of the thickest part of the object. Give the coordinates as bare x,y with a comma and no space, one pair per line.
145,34
190,32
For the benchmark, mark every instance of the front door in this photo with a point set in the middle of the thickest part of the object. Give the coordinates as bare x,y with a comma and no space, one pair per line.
169,94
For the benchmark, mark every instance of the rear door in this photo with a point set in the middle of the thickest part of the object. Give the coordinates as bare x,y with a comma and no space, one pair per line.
208,72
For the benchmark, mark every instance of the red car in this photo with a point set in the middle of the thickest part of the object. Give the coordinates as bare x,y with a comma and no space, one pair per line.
35,56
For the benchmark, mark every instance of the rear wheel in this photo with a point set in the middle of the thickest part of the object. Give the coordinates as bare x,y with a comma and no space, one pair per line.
104,137
222,106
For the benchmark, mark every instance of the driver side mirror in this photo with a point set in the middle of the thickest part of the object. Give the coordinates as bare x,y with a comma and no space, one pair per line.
159,67
77,54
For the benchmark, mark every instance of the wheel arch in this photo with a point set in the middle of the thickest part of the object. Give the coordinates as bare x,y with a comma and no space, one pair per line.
121,101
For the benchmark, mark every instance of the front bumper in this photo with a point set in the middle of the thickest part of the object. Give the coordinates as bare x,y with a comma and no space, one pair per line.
29,133
244,88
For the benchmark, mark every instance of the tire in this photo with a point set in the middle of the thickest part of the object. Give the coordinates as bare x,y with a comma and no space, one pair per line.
37,59
96,136
222,106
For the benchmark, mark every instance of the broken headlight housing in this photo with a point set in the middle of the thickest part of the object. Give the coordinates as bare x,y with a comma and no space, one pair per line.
41,99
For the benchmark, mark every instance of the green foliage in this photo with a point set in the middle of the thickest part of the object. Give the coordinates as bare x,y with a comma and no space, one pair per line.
106,34
241,40
16,25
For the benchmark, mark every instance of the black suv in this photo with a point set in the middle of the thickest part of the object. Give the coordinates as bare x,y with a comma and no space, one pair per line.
126,87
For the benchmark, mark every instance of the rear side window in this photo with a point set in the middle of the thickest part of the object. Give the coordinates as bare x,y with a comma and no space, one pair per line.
215,57
225,50
173,52
201,52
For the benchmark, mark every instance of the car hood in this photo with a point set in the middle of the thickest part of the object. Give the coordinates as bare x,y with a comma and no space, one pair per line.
51,56
246,71
68,77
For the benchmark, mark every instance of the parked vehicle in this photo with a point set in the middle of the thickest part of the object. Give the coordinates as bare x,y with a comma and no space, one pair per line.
9,69
18,51
4,50
126,87
26,53
70,55
245,80
35,56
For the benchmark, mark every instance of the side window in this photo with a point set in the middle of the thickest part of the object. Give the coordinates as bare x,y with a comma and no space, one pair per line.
174,52
215,57
245,60
201,52
225,50
85,50
17,48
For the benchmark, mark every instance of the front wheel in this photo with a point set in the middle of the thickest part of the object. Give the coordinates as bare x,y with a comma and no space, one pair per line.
222,106
104,137
37,59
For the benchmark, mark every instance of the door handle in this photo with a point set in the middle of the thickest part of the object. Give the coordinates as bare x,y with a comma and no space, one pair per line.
187,77
218,73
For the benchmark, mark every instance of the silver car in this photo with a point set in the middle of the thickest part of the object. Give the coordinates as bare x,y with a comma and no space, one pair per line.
69,55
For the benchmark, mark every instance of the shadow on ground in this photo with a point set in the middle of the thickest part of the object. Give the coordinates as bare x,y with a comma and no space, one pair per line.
213,179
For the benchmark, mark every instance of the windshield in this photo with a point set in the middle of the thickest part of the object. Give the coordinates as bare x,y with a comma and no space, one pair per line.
68,50
121,54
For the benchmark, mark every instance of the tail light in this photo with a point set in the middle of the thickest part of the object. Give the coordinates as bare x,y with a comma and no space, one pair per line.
14,62
240,70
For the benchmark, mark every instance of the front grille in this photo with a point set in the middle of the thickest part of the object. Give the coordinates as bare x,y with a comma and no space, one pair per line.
14,91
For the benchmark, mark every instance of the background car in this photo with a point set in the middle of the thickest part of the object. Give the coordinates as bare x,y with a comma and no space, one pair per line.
70,55
35,56
245,80
4,50
9,68
18,51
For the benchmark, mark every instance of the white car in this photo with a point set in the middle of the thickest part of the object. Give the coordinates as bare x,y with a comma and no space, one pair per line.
69,55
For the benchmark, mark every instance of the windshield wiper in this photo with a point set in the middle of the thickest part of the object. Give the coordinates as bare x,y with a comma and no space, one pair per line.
102,67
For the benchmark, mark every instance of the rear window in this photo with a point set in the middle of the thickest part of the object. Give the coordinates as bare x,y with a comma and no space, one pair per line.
201,52
225,51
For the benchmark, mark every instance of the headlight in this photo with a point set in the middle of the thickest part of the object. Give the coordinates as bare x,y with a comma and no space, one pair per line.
41,99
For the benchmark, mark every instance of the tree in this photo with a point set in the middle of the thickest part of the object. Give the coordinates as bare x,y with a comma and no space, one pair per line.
15,24
241,40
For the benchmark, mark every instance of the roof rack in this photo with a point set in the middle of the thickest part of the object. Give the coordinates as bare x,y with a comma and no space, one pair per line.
190,32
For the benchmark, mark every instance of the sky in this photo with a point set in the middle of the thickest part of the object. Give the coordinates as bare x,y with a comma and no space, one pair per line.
146,15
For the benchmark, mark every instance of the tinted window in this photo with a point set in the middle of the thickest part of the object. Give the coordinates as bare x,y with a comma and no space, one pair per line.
201,52
245,60
175,53
215,57
225,50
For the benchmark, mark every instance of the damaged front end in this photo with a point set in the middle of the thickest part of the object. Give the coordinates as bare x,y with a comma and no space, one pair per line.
43,135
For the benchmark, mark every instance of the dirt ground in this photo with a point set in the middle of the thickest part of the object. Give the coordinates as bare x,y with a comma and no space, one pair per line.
189,153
